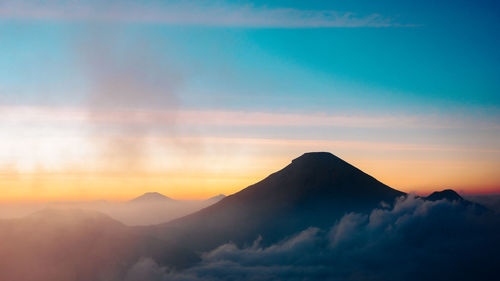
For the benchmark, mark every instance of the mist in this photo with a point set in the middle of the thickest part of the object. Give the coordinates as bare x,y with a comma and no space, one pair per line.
126,78
126,212
36,247
412,239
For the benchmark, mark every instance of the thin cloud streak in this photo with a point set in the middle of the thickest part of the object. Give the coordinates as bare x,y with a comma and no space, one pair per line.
189,13
226,118
359,145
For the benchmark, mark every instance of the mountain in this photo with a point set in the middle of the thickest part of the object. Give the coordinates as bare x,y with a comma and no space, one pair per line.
452,196
446,194
152,197
316,189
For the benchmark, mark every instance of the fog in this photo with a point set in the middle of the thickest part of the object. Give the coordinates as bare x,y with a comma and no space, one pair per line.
126,78
86,240
128,213
491,201
413,239
55,245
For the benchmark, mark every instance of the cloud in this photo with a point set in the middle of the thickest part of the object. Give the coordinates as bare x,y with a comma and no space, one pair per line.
491,201
145,269
414,240
206,13
139,105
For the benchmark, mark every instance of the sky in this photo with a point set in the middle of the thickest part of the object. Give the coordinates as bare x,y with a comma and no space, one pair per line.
111,99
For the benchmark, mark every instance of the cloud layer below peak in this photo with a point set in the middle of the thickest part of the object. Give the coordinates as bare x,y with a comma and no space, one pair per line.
414,240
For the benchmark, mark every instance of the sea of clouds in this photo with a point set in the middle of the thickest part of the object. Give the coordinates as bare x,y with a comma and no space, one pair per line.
412,240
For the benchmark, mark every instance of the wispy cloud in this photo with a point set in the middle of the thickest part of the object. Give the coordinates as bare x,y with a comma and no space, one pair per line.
228,118
188,13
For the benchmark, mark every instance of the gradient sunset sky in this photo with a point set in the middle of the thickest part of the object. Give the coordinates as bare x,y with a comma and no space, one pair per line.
111,99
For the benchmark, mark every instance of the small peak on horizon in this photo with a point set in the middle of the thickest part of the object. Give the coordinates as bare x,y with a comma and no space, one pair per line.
151,196
153,193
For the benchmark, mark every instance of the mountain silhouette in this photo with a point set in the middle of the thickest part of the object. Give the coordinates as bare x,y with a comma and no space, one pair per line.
452,196
151,197
446,194
316,189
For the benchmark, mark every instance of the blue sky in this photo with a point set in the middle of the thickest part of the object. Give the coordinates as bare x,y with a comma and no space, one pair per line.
443,58
419,78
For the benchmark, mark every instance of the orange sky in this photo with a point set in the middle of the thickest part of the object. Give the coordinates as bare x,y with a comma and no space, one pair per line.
201,167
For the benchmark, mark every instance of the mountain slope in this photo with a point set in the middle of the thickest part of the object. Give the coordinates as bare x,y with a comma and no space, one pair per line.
316,189
215,198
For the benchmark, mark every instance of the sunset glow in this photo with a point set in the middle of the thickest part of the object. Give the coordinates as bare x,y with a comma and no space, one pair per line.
57,153
108,101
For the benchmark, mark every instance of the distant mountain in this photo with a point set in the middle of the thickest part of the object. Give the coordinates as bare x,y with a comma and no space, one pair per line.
452,196
215,198
152,197
316,189
447,194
